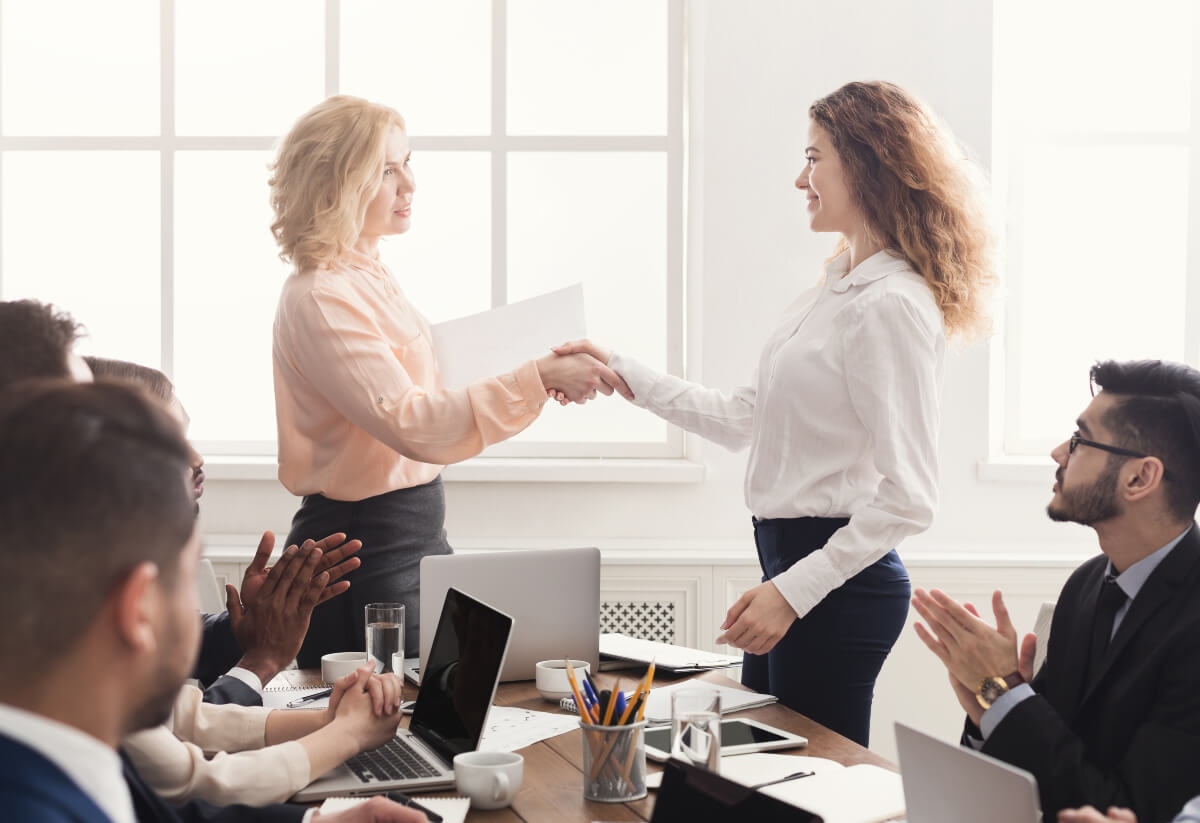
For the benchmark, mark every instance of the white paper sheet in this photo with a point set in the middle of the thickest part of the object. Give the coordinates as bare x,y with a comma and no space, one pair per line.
497,341
509,728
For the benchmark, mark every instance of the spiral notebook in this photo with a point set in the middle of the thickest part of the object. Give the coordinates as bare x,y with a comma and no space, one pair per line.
452,809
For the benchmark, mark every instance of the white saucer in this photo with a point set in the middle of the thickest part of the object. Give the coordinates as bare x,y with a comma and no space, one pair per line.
554,697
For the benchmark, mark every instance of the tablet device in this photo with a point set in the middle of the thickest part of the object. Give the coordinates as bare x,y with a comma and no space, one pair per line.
739,735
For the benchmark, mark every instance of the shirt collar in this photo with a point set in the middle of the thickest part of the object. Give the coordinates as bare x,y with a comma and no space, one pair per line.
877,266
1132,579
371,265
92,765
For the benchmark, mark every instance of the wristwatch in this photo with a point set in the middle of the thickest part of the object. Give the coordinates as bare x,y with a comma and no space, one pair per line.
991,688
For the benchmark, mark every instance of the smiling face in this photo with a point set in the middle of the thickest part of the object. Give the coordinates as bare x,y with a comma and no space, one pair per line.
830,202
390,210
1085,487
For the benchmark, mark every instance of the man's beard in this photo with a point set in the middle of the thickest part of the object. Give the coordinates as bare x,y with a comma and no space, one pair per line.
170,671
1090,504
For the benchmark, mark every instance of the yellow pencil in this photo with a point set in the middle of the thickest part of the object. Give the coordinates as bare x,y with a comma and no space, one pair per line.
649,683
580,705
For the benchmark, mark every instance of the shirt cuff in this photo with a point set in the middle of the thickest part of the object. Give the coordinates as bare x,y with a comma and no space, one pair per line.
248,677
639,378
308,815
1003,705
808,581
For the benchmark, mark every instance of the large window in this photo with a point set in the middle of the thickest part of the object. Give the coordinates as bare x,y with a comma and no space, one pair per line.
548,149
1096,157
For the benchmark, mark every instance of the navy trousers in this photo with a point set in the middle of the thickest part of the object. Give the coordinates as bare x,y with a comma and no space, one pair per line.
826,664
397,529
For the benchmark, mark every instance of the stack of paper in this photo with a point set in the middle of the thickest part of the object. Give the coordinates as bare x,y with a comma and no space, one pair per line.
666,656
658,705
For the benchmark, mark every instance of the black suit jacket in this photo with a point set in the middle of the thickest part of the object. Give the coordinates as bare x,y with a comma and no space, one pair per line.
34,788
1131,735
220,651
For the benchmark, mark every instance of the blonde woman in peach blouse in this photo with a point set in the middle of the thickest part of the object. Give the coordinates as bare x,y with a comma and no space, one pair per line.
365,425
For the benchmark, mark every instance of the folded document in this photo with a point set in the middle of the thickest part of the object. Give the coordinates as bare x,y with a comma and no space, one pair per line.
666,656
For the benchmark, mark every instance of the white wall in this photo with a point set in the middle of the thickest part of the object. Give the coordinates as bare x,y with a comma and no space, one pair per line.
755,68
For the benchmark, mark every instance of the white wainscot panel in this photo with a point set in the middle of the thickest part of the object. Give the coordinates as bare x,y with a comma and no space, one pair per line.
687,590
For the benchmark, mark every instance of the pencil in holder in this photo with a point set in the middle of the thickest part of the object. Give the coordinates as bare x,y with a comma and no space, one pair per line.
614,762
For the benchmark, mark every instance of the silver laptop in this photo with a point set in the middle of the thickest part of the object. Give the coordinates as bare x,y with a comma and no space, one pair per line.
553,594
451,712
947,783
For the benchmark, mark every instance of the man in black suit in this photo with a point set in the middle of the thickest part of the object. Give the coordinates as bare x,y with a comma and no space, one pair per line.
244,647
99,557
1113,716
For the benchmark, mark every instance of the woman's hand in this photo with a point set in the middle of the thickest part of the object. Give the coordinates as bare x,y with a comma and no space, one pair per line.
1089,814
585,347
366,707
757,621
578,377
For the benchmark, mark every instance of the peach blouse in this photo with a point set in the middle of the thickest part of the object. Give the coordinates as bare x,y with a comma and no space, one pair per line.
359,403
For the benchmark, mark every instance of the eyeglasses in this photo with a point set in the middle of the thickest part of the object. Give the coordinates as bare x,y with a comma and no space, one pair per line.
1078,440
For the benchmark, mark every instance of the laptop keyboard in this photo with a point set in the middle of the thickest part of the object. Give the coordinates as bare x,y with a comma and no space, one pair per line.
391,761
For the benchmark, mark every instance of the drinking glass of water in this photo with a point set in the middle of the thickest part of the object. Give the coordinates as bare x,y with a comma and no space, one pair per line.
696,726
385,634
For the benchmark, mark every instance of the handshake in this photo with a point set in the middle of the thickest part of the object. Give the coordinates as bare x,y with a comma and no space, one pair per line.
576,371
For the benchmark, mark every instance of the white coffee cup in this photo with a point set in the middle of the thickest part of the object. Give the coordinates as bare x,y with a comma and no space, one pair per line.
550,677
490,779
337,665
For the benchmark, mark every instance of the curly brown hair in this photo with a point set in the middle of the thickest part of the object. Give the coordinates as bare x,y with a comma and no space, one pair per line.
35,341
922,196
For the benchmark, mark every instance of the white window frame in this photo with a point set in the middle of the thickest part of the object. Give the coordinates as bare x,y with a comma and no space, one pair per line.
1014,456
572,460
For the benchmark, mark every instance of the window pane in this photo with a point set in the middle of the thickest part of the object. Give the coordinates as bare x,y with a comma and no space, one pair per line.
430,61
227,280
580,67
74,67
1082,65
1075,293
247,68
444,262
600,219
105,266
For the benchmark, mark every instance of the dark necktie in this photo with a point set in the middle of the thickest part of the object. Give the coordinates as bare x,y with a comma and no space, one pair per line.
1107,605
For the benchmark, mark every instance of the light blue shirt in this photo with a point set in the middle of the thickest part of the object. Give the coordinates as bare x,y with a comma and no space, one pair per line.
1190,813
1131,581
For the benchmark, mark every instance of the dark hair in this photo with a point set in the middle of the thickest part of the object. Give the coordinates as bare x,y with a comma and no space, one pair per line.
35,340
1158,413
155,381
921,196
92,484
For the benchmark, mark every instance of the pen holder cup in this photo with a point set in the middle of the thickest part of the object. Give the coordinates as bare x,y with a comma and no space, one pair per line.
614,762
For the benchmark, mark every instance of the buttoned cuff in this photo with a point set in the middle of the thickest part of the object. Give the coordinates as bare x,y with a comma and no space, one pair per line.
248,677
1004,704
639,378
807,583
529,382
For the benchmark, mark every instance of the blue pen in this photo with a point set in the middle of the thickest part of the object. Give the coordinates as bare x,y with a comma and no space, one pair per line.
589,694
620,708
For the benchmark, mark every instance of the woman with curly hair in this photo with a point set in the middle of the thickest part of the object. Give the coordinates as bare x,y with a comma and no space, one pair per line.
365,424
842,415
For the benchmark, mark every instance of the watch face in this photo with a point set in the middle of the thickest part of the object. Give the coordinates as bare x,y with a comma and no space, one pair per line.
990,691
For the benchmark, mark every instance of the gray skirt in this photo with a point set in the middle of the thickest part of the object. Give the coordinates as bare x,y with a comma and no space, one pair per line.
397,529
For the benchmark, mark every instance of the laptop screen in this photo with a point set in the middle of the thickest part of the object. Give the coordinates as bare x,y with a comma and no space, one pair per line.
459,679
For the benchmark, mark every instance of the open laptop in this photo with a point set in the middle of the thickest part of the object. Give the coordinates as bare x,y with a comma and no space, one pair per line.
451,712
553,594
947,783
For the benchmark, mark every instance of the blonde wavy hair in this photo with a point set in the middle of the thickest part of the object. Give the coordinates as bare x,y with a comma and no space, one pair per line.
921,195
325,173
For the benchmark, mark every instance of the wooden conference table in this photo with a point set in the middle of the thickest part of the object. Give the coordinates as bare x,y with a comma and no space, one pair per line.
552,789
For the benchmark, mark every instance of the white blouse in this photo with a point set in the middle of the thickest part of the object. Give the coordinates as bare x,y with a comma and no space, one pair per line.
841,418
173,758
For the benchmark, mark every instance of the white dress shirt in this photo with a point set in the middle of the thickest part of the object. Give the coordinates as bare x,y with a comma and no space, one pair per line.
841,418
91,764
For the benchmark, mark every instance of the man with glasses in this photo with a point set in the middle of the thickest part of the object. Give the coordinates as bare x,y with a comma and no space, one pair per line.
1113,716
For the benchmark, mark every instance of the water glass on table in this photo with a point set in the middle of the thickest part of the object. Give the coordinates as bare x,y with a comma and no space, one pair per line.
696,726
385,635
